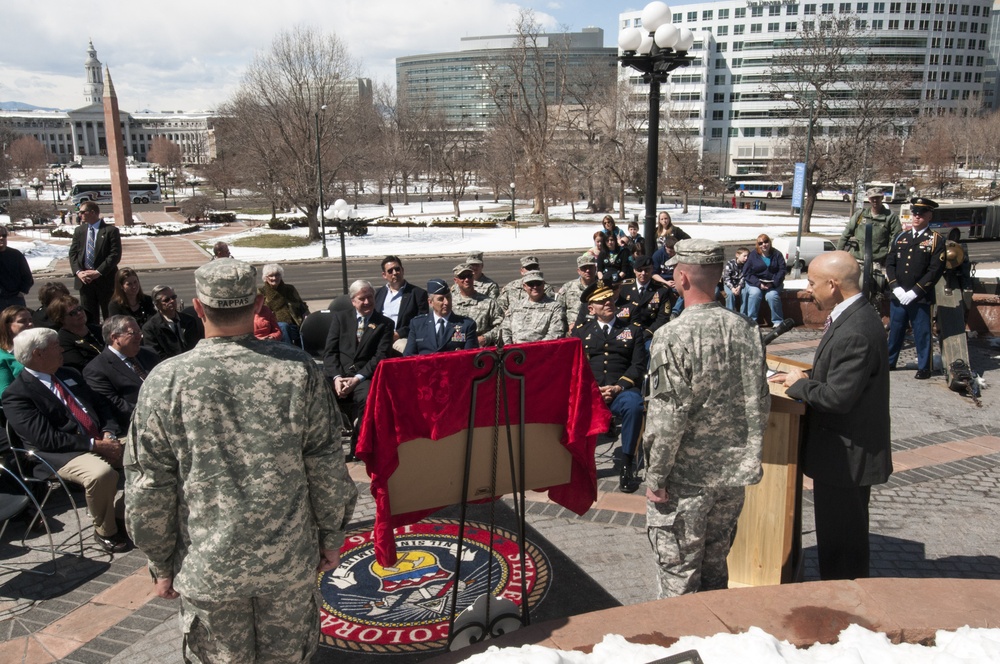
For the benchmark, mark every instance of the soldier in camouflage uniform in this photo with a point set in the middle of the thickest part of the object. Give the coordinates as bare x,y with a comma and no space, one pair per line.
483,284
513,291
236,486
467,301
537,317
569,294
708,408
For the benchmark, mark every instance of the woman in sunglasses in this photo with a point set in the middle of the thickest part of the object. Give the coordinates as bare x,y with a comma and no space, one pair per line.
764,273
80,341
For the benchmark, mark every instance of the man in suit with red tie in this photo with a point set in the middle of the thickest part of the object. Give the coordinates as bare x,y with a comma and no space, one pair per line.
69,426
846,448
358,340
94,255
118,372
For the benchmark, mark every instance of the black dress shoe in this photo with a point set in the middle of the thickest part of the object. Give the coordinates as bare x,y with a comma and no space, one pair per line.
892,367
627,482
923,374
114,544
350,457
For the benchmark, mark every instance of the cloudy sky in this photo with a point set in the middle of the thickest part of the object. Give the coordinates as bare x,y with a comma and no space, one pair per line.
189,54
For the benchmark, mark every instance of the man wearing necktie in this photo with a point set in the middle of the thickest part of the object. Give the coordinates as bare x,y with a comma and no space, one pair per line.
94,255
646,302
171,332
118,372
846,447
58,416
915,263
359,338
441,329
617,356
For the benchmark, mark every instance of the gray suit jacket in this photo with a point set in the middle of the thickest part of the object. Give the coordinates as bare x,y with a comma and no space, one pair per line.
847,439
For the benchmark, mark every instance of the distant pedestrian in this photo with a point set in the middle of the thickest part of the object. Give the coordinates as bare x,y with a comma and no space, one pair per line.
15,274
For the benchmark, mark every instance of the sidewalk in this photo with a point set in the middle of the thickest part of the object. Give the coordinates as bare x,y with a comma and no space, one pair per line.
938,516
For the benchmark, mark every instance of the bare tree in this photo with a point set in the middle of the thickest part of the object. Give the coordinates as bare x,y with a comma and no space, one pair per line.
933,148
847,94
622,148
305,79
166,153
28,157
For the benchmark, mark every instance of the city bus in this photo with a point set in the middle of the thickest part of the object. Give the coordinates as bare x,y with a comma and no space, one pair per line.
100,192
963,221
836,193
8,194
762,189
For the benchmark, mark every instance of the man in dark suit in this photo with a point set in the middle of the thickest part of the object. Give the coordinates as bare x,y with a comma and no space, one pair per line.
441,329
117,373
94,255
69,426
358,340
847,441
616,351
399,300
171,332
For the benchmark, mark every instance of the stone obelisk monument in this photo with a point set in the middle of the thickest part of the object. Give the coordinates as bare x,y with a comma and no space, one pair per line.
121,200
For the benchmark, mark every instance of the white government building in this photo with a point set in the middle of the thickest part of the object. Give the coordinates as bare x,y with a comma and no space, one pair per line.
725,96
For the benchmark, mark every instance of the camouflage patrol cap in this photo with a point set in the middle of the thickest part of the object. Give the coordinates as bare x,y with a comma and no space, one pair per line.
528,261
437,287
699,252
586,259
874,191
533,275
226,283
460,268
475,258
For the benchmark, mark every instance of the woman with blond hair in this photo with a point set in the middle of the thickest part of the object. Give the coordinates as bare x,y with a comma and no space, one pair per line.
764,274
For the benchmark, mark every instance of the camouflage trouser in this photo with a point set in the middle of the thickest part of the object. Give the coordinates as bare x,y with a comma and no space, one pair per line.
691,535
283,627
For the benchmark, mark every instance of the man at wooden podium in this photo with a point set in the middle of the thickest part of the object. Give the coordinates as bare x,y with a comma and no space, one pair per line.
846,448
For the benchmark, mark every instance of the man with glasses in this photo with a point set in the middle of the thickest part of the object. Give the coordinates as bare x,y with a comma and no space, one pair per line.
15,274
481,282
399,301
569,293
94,255
171,332
119,371
617,356
915,262
536,317
513,290
468,302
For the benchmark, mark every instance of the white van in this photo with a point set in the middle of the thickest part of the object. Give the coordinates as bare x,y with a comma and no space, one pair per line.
810,248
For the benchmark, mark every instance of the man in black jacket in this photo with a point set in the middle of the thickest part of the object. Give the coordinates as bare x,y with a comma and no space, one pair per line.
358,340
171,332
399,301
69,426
94,255
118,372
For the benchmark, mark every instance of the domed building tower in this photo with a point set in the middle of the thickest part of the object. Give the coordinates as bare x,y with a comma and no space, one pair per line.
93,91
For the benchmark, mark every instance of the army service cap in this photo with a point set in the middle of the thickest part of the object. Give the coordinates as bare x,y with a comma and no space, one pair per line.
921,202
437,287
529,261
459,269
642,262
699,252
533,275
871,192
226,283
475,258
586,259
596,292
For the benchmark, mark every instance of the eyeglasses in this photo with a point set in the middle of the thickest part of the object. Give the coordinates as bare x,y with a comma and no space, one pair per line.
168,298
535,284
763,242
393,270
75,311
919,212
464,277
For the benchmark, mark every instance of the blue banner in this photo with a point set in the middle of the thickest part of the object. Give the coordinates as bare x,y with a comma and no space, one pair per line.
799,185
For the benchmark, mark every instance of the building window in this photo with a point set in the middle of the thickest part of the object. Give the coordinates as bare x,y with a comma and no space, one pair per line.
827,8
925,25
878,7
734,97
757,11
717,115
951,26
723,14
739,12
895,7
755,28
862,7
719,98
706,15
749,132
945,76
720,47
810,9
954,94
791,10
720,79
692,17
773,27
738,29
678,17
877,24
978,78
774,10
961,44
911,8
908,24
939,8
932,76
963,26
720,63
734,132
765,132
723,30
952,10
893,24
716,132
791,26
737,46
861,24
947,60
938,25
845,8
949,42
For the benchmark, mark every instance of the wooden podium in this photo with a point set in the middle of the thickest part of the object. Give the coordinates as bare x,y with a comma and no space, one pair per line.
768,545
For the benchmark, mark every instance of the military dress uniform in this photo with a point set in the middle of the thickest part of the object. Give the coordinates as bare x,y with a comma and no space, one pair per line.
648,305
708,408
915,262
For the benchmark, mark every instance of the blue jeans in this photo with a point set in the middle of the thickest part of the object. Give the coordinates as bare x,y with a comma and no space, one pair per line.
918,314
736,302
627,407
754,296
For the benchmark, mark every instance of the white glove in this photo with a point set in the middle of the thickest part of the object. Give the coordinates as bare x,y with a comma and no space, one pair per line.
898,292
908,296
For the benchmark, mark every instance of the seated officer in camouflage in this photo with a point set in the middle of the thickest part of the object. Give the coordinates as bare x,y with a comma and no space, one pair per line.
569,294
537,317
513,290
483,284
467,301
617,357
645,301
708,408
236,486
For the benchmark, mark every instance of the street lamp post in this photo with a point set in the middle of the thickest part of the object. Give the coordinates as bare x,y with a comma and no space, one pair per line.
173,186
796,269
655,50
319,187
513,216
37,185
701,194
54,181
430,170
342,211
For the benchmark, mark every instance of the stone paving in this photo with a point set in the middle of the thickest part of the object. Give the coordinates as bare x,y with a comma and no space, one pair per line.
938,516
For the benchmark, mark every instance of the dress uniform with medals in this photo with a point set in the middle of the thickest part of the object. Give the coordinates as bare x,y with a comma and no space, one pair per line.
915,263
616,352
646,304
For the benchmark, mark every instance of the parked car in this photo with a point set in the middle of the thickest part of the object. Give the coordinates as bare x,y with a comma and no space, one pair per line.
810,248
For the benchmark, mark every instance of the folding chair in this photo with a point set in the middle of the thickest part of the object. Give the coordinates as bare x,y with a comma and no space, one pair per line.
33,470
11,505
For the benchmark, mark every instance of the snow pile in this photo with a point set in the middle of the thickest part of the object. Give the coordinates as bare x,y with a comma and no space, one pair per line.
856,645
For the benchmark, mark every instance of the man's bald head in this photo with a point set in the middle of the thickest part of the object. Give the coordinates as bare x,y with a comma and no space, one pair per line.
840,267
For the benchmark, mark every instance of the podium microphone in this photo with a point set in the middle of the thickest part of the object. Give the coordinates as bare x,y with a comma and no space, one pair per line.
783,326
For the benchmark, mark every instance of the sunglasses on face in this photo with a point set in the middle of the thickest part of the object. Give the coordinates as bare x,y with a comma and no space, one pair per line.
168,298
394,270
76,311
919,212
